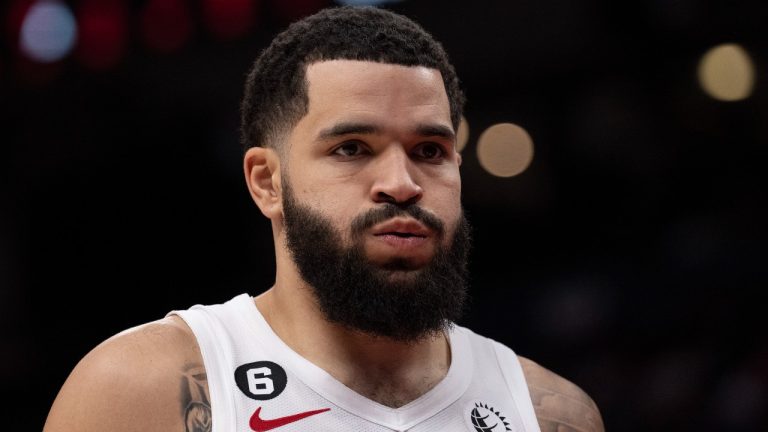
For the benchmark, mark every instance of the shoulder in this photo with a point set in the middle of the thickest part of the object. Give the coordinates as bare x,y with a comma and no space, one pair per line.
559,403
131,381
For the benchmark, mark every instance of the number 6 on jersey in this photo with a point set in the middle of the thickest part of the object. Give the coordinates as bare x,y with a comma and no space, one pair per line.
261,380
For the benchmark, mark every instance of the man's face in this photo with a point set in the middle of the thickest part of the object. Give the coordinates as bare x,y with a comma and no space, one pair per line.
371,198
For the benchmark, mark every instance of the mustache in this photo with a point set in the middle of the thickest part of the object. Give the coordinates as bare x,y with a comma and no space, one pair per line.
388,211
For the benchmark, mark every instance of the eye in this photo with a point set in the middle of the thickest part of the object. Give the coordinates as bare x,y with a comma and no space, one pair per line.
349,149
430,151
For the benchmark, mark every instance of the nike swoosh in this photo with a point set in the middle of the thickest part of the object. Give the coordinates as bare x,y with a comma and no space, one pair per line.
260,425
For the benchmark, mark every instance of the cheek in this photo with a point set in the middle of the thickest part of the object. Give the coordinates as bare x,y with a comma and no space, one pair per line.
339,208
450,208
334,202
448,193
445,179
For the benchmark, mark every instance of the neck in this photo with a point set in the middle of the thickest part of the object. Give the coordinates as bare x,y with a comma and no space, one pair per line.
390,372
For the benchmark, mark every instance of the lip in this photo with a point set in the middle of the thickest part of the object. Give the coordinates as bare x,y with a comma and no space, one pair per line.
401,238
401,227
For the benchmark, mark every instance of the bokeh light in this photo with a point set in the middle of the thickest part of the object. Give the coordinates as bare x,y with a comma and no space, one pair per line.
727,73
462,135
103,33
505,150
48,32
166,25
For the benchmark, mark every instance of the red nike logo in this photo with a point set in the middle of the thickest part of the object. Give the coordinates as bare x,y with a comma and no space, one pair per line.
260,425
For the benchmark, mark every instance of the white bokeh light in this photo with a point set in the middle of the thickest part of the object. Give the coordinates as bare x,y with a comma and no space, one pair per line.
48,32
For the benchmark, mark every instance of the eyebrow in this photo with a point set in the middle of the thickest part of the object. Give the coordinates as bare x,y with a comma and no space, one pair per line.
346,128
428,130
349,128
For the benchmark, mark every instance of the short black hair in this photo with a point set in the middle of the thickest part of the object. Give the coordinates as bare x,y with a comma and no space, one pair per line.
275,96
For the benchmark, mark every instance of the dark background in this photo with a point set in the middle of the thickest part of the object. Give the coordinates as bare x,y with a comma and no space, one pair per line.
629,257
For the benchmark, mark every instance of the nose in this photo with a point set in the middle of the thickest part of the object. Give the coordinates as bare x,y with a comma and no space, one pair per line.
394,181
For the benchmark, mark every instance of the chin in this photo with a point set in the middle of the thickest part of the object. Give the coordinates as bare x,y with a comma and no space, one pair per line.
401,277
397,281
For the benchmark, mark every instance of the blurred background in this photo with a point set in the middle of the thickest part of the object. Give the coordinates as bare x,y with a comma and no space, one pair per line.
614,170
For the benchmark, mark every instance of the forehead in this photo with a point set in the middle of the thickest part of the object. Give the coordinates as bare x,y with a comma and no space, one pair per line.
354,86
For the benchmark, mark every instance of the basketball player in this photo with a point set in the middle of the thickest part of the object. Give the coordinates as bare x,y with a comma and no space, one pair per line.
349,125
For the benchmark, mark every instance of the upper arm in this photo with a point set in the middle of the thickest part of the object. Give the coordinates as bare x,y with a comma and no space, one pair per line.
560,405
138,380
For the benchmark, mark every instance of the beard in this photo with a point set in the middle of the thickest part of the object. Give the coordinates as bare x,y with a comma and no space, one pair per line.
393,300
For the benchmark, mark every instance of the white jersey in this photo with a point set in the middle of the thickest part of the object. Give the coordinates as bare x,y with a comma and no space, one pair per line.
257,383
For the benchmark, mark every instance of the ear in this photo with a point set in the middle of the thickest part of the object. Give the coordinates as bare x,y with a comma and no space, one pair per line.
262,175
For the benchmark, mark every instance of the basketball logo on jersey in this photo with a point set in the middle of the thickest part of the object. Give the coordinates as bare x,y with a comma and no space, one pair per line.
261,380
484,418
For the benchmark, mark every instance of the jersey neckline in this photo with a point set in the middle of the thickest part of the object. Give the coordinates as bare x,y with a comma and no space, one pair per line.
447,391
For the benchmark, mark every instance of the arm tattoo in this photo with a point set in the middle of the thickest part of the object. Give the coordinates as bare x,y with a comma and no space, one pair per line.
561,412
195,401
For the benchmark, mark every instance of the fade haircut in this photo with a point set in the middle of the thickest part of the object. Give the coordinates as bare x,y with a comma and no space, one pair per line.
275,96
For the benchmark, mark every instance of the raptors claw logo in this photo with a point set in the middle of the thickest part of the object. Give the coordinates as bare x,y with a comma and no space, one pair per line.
486,419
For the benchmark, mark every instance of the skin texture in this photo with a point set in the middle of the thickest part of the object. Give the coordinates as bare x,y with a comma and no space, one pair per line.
374,133
560,405
137,380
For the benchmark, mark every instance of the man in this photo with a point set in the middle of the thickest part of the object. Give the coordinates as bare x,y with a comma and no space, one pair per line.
348,121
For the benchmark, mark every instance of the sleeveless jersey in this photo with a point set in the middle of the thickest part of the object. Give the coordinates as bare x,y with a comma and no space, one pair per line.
257,383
